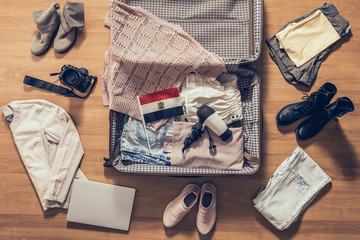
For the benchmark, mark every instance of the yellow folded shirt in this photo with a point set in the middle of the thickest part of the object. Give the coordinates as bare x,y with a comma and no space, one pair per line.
305,39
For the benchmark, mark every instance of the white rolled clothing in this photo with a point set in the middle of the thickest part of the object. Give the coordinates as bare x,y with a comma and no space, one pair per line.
221,95
292,187
49,146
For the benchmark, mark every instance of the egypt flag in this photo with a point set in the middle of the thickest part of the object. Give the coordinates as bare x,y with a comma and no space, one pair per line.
159,105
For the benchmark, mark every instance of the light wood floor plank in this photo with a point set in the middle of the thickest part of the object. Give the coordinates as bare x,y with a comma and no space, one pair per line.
335,213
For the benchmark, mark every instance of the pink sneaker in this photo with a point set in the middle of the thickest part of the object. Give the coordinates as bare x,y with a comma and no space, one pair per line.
181,205
206,216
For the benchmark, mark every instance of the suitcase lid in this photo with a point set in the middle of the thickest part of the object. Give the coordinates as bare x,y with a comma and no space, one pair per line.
231,29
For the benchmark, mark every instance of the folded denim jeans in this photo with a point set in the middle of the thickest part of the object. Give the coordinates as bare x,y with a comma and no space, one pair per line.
134,145
292,187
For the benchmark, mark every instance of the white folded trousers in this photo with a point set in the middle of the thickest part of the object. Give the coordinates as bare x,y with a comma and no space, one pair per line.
292,187
49,146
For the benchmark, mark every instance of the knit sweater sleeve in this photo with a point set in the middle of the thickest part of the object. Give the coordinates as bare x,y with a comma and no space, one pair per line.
210,65
107,20
106,79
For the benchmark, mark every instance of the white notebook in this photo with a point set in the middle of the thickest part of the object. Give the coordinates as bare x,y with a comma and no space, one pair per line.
101,204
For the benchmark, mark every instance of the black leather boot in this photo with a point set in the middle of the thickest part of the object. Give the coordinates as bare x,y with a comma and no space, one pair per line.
310,127
311,104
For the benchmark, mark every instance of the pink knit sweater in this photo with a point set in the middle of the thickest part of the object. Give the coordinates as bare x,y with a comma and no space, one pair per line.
148,54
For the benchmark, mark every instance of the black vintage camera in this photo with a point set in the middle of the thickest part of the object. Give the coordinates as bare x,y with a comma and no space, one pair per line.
70,76
74,77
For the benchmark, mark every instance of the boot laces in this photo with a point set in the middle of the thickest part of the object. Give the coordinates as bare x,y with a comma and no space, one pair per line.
326,116
309,104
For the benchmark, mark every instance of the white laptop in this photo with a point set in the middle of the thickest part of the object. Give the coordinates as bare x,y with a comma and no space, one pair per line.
101,204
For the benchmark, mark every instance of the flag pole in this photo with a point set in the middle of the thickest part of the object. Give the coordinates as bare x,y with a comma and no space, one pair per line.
143,122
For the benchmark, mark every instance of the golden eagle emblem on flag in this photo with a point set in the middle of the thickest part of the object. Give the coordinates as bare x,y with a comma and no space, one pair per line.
161,105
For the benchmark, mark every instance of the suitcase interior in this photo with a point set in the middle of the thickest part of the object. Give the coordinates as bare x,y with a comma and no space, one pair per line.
233,30
244,49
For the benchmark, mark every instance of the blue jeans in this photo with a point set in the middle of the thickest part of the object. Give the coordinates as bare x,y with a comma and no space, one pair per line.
134,145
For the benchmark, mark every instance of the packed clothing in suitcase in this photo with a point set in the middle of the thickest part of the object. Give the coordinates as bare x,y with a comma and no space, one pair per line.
160,45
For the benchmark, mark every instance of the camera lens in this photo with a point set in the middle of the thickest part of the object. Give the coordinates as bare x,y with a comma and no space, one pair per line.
71,77
76,79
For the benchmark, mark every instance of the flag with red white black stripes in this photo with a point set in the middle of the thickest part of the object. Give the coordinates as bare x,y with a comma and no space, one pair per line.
159,105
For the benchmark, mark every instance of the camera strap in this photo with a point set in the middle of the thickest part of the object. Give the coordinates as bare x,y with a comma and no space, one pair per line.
35,82
48,86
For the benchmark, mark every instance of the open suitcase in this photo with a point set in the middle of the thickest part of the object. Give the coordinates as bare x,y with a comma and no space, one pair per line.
237,40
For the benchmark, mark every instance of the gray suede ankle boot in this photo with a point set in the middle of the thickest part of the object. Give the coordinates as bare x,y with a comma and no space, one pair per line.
71,18
47,22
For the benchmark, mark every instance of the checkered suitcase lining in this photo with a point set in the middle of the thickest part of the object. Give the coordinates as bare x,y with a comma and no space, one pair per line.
250,123
232,32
